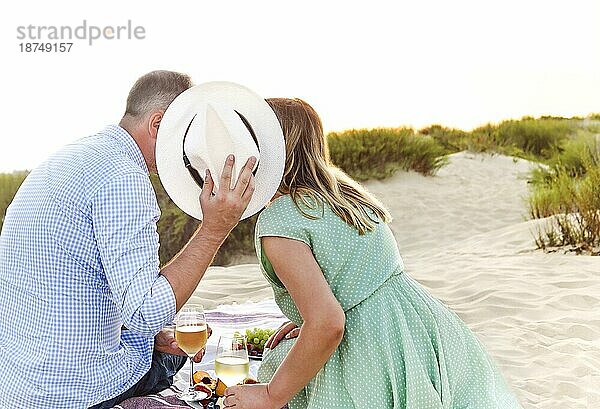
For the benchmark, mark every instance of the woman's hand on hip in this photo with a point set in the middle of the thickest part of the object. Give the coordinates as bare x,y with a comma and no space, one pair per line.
287,330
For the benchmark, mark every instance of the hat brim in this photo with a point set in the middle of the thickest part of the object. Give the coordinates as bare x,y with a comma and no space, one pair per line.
175,177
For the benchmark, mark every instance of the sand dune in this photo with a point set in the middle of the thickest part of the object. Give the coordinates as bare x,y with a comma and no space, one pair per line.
464,235
227,285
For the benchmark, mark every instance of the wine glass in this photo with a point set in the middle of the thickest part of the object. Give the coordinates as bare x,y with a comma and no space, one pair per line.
191,335
231,363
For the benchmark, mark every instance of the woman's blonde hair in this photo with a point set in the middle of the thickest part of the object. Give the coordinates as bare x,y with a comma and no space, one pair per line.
309,173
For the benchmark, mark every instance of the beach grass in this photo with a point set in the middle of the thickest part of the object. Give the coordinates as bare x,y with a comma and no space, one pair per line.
378,153
541,138
567,193
9,184
528,138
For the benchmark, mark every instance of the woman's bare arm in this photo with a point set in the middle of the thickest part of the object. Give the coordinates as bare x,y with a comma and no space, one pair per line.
324,319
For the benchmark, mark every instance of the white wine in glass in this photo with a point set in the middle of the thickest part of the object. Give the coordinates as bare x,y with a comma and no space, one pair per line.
191,335
232,364
191,338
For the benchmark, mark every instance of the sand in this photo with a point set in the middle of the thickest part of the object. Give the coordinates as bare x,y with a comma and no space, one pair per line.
465,236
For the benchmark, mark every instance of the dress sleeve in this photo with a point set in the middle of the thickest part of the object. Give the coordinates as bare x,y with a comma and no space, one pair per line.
283,219
280,219
124,216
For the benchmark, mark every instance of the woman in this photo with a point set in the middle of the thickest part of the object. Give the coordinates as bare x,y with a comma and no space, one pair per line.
370,335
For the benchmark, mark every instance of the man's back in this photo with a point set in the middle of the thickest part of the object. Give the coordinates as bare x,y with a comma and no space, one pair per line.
78,256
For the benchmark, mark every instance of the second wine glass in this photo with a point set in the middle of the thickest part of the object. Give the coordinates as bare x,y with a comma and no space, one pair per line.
231,363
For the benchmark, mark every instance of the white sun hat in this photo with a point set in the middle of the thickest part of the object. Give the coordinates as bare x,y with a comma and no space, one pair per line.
205,124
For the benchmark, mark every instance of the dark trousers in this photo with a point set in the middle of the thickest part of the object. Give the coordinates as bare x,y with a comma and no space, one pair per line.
158,378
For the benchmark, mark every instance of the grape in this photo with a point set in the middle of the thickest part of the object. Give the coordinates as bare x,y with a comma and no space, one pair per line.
257,338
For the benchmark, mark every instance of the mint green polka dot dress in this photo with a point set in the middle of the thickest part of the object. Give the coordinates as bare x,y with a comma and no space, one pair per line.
401,348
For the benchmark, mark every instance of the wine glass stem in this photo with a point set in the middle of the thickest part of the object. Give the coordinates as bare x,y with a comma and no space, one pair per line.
192,372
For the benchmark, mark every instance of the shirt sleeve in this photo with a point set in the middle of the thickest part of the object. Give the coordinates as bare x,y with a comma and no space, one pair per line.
124,215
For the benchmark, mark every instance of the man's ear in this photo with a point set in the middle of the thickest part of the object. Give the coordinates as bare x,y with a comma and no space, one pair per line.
154,123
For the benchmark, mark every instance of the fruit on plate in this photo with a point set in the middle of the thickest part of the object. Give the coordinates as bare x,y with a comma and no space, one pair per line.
204,378
200,387
257,338
199,377
220,389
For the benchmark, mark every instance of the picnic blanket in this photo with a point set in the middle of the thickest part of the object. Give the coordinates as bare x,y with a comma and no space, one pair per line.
225,319
166,399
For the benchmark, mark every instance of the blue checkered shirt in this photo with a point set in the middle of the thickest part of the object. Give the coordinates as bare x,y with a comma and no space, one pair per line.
79,258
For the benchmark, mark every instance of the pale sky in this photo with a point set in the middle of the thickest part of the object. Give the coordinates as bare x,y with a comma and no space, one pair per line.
360,64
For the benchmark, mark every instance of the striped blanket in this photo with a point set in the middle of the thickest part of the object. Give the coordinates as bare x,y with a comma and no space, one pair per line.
223,320
166,399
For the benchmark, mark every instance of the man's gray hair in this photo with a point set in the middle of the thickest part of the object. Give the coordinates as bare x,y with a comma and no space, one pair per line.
155,91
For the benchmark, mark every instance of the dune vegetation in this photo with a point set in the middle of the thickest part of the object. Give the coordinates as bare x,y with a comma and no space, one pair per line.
378,153
567,192
9,184
565,189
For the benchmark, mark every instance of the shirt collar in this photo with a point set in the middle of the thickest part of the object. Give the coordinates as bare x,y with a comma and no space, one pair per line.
130,147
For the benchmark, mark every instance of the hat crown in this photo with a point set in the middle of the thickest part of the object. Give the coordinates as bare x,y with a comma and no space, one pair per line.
205,124
210,140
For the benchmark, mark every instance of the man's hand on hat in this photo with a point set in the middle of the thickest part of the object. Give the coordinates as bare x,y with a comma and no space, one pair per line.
223,209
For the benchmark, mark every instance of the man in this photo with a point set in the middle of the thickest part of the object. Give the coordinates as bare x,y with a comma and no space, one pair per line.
83,298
